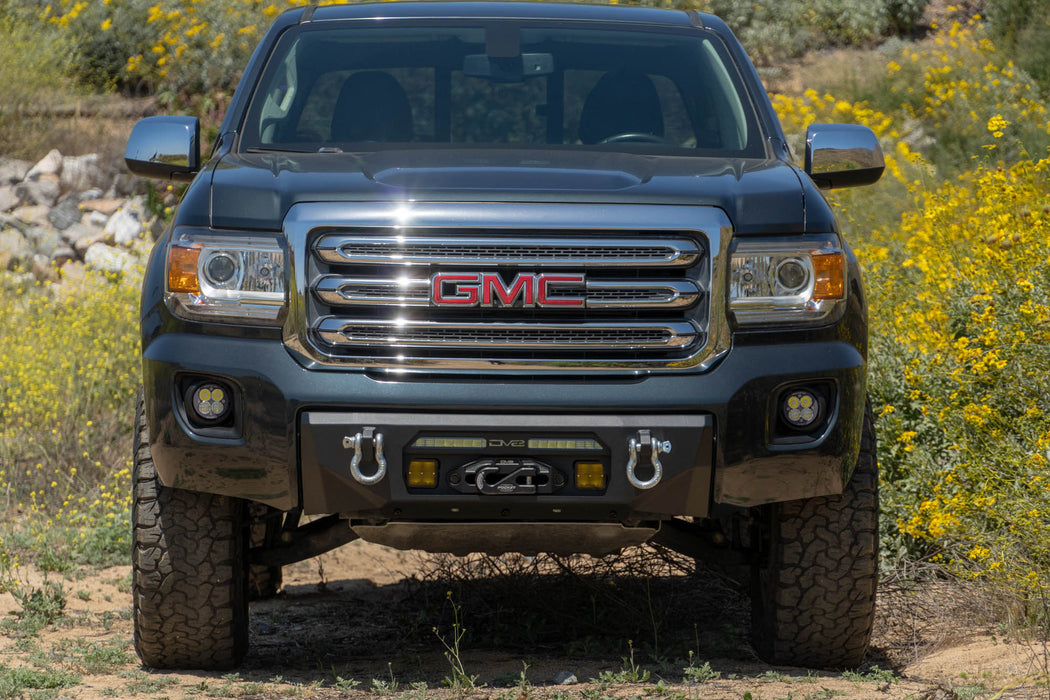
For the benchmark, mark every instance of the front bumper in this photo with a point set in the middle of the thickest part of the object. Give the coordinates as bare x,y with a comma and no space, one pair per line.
287,451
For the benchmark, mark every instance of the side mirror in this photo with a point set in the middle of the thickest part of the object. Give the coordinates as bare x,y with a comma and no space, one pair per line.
166,148
843,155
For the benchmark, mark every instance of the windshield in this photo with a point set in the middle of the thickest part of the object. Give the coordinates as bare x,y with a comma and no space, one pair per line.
348,87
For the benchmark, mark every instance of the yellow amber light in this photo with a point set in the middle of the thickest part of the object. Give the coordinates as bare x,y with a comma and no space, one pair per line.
830,276
590,476
182,269
423,473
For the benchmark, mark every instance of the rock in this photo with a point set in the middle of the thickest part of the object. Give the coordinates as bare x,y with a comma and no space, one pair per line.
14,249
123,186
9,221
77,231
74,272
35,215
44,240
157,228
43,269
125,226
65,213
108,259
105,207
8,199
141,248
94,219
45,190
565,678
62,255
51,164
13,171
80,172
93,193
90,238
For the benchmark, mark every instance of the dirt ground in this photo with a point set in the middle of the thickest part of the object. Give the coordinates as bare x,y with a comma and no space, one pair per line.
365,620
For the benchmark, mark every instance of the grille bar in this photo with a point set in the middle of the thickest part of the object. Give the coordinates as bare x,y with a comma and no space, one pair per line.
487,251
339,332
336,290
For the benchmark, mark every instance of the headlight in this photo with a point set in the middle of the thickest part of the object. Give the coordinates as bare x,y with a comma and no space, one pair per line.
229,278
780,282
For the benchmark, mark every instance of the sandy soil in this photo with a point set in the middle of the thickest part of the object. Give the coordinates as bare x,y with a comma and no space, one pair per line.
376,617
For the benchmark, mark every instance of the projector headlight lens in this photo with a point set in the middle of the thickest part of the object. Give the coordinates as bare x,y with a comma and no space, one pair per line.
778,282
228,277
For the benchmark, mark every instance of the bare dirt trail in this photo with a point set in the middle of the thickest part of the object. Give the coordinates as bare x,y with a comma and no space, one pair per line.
369,621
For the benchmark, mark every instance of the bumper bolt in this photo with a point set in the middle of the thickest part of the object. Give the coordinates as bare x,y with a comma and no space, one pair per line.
453,478
559,479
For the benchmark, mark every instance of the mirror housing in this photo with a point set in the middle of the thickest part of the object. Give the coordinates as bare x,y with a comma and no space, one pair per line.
843,155
165,148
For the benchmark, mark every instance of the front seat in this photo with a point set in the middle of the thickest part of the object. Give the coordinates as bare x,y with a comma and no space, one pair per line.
372,106
621,102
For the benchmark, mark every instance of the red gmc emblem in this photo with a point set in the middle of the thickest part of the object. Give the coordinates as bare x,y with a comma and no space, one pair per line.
487,289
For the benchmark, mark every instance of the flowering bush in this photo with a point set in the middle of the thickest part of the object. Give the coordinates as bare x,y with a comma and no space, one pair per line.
69,364
960,331
957,272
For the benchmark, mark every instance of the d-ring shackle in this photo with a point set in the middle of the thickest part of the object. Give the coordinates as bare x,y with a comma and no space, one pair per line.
354,442
655,447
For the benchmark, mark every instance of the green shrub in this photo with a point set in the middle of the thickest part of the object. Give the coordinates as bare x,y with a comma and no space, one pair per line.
28,49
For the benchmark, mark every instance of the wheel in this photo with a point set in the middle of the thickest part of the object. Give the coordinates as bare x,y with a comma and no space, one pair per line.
189,587
813,588
264,525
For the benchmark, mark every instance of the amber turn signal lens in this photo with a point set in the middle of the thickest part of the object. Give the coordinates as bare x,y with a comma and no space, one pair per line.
182,269
423,473
590,476
830,276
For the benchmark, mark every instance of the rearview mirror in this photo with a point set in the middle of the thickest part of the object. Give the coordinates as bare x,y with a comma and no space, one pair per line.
513,69
843,155
165,148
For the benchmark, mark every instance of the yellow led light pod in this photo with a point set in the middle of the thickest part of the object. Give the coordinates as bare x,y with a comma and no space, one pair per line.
590,476
423,473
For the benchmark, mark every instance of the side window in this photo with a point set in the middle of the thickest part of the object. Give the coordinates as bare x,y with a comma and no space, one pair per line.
279,100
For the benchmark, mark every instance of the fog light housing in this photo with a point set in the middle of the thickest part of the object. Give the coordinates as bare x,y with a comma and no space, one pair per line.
209,402
801,408
590,476
423,473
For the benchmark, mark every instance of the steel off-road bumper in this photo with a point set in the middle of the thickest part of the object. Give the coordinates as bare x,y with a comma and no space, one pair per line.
286,447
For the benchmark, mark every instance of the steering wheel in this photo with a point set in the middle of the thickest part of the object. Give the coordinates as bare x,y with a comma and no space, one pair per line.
638,136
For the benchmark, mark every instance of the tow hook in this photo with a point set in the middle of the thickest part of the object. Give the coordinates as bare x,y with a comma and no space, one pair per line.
368,447
645,441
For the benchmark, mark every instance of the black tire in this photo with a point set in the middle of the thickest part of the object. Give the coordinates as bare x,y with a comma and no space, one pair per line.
813,589
189,589
264,526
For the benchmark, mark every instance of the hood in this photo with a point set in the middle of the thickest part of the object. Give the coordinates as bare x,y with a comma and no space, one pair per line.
255,190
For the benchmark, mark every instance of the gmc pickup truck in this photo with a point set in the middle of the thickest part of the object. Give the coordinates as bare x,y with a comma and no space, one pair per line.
503,277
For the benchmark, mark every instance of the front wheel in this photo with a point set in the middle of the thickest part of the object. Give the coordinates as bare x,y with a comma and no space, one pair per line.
813,588
189,589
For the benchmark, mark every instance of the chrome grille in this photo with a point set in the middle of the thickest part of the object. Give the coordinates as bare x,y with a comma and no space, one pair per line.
337,332
377,287
510,249
336,290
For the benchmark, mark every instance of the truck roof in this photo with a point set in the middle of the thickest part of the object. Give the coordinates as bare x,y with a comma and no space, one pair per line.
519,10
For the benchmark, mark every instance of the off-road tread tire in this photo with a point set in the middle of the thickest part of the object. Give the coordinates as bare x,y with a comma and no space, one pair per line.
189,591
813,593
264,526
